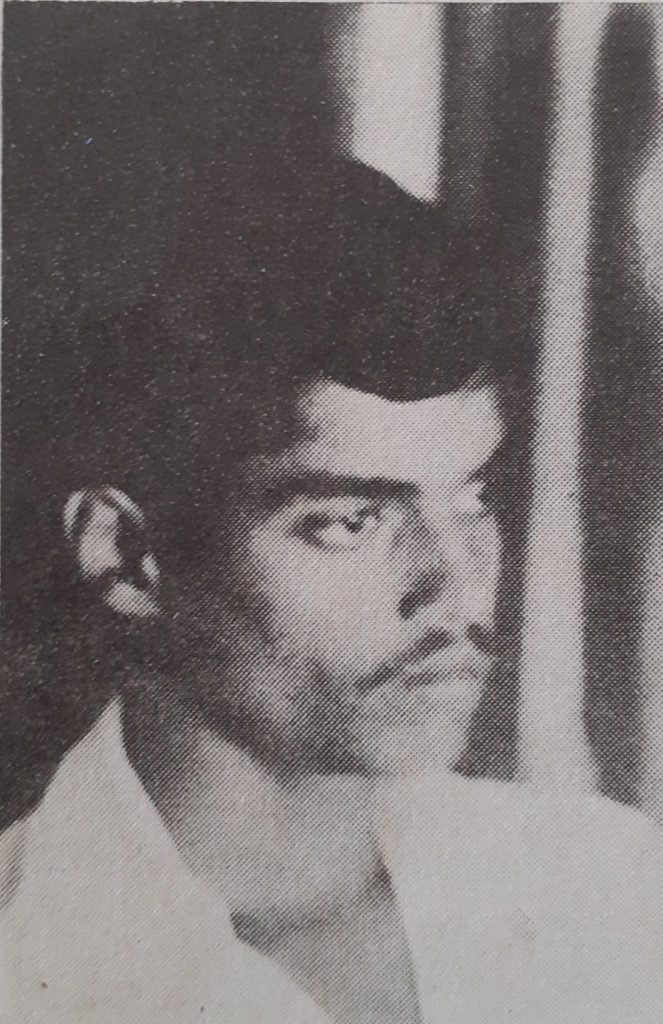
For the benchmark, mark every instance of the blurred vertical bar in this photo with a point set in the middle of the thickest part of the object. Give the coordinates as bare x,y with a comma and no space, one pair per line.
649,223
553,745
474,36
387,69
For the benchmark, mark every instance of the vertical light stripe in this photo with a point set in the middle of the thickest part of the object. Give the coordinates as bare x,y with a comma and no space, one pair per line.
394,90
553,746
648,196
649,220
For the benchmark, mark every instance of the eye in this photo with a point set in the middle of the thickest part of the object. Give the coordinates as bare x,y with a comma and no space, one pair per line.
337,531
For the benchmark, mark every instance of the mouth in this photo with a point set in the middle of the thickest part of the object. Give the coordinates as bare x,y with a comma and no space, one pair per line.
428,685
440,669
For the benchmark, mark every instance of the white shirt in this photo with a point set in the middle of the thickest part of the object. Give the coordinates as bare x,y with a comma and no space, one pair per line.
519,908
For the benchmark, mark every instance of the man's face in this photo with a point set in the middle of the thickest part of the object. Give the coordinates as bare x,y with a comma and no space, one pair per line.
355,600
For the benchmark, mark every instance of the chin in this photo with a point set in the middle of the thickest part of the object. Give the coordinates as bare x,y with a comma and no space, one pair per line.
427,732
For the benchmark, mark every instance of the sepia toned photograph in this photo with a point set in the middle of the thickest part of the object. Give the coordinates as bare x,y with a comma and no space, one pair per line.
331,673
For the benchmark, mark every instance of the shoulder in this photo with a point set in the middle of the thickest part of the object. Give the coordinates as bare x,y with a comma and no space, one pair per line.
546,841
35,838
580,851
569,822
562,892
565,813
586,875
584,825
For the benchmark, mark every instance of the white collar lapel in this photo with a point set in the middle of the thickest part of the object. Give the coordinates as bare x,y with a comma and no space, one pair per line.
129,934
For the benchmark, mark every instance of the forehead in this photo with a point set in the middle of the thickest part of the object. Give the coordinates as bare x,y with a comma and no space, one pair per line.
346,431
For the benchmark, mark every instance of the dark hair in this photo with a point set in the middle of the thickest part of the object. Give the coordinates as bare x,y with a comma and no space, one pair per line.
349,279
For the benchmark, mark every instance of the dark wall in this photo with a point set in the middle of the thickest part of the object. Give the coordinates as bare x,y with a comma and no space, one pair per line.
114,115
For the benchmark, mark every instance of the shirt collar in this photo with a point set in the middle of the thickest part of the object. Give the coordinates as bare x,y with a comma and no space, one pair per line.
130,932
146,927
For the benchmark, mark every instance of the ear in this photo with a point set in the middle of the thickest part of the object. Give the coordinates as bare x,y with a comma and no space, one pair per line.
106,532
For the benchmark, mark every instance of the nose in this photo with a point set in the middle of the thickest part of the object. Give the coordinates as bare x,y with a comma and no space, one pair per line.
450,580
426,589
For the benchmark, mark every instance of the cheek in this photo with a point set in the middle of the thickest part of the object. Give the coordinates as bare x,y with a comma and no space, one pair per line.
338,607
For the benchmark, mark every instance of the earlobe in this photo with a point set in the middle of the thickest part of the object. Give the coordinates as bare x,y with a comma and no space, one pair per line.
106,531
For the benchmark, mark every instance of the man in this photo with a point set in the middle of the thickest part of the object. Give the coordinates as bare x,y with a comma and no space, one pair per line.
292,519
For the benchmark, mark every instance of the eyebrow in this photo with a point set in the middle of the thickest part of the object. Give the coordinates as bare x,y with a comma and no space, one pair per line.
321,484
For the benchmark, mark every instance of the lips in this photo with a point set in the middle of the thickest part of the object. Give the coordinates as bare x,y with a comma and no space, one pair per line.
430,685
439,668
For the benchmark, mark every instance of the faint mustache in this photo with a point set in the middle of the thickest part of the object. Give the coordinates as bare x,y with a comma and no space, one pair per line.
477,649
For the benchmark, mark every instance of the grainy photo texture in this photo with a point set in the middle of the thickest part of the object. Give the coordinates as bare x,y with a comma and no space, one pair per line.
332,521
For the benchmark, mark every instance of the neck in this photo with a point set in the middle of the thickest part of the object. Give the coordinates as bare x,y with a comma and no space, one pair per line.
267,842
